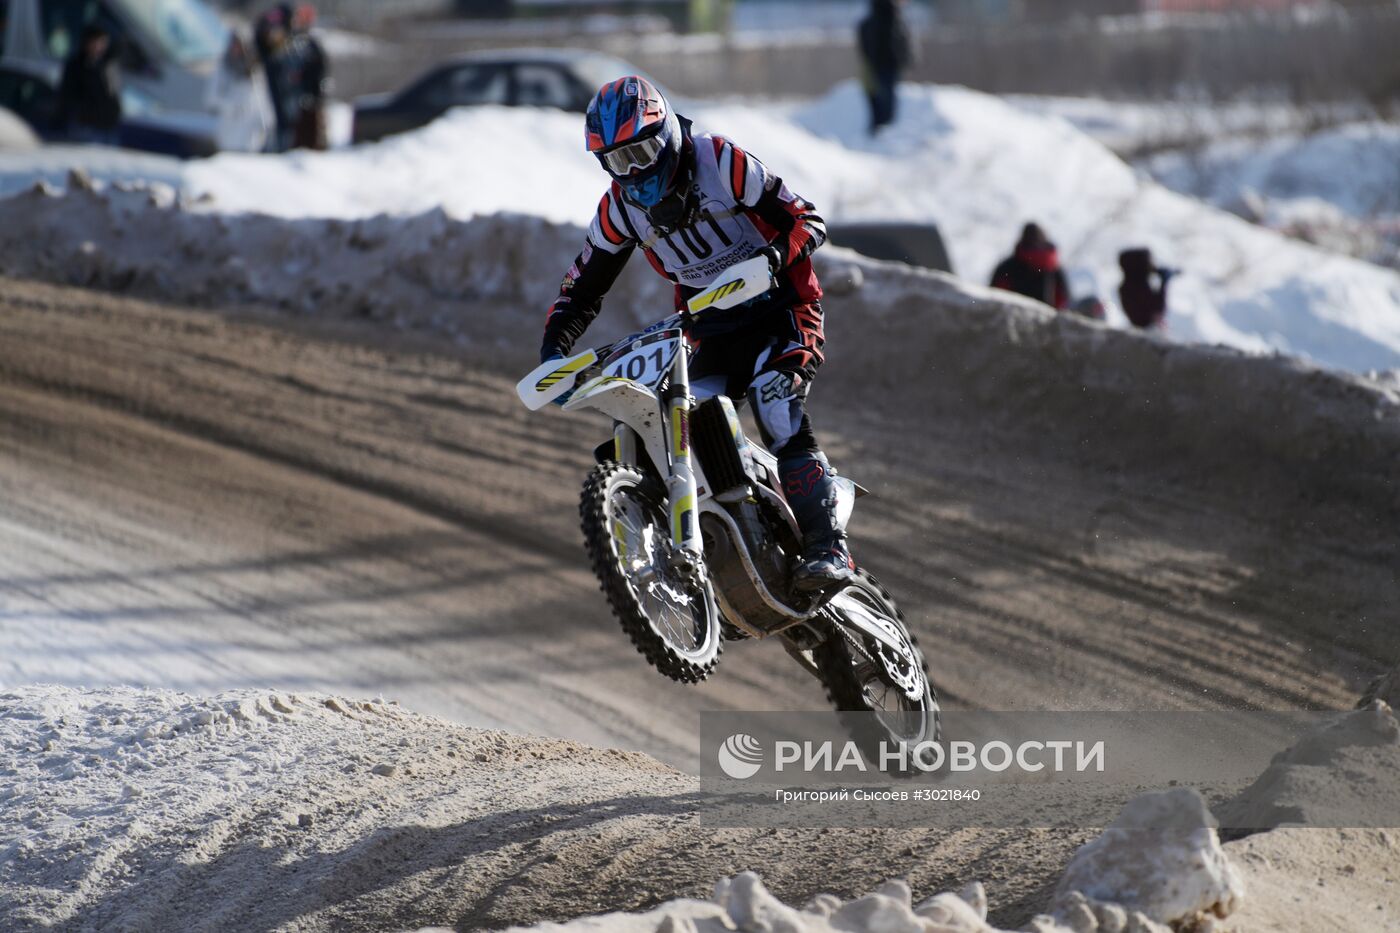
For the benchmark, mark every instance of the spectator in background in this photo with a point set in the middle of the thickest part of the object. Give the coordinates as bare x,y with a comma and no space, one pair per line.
886,51
242,118
1143,303
315,81
90,93
1034,270
282,65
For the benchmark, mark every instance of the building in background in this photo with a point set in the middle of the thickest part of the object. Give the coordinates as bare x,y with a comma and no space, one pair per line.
677,12
1041,11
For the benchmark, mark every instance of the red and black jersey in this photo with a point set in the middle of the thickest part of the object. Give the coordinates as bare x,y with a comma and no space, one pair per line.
738,208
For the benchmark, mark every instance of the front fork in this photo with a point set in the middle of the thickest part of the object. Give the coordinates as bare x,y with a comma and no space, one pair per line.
681,492
687,548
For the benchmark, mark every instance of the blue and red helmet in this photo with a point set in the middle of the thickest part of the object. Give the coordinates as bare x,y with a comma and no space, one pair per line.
636,136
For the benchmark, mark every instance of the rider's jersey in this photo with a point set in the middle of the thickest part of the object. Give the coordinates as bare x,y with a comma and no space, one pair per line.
740,208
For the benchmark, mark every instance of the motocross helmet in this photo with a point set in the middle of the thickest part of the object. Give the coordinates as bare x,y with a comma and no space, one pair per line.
637,138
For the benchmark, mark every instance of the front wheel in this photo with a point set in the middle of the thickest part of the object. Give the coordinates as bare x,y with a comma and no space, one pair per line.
865,675
626,528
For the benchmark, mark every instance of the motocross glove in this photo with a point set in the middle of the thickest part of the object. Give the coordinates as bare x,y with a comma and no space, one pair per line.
775,265
550,352
775,259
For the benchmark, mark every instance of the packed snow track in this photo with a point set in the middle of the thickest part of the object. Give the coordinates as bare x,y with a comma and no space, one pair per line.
208,502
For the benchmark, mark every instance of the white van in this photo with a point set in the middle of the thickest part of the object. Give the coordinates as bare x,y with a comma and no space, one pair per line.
177,54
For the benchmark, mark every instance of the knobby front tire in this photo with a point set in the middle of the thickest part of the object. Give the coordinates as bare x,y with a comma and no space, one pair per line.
626,529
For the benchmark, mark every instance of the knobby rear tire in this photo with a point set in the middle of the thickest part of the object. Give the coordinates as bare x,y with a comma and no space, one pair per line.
607,484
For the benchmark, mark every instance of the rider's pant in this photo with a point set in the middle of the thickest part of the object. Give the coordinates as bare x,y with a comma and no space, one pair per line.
759,362
771,364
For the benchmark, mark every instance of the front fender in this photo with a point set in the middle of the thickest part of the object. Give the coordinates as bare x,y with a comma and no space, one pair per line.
631,403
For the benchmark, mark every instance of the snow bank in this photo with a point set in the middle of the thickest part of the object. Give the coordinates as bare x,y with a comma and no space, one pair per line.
1355,167
1339,187
978,166
741,903
15,134
923,336
474,161
152,810
981,167
1138,128
416,272
1342,774
1130,878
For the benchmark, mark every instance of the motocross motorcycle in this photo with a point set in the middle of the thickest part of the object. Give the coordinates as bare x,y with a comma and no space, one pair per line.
694,542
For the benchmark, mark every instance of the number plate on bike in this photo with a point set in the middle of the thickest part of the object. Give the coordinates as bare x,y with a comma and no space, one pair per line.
647,359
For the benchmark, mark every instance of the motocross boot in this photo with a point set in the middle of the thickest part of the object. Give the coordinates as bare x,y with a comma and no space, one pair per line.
810,485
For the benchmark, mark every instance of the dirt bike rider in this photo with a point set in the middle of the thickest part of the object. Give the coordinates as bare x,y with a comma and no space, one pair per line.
697,204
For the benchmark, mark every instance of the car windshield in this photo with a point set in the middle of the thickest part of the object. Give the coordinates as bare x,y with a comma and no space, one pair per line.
187,30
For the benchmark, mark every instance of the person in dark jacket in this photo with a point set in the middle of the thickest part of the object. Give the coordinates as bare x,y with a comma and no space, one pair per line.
1144,303
282,64
886,51
315,81
1034,270
90,93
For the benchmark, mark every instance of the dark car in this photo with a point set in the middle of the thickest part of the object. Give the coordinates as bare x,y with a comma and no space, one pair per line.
559,78
918,244
34,98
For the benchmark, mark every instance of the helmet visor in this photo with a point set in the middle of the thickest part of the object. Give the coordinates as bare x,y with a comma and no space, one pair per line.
641,154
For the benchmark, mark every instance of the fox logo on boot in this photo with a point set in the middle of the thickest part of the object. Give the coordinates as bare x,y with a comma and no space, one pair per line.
802,481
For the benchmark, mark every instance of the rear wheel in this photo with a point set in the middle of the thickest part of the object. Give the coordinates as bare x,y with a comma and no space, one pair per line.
865,675
627,530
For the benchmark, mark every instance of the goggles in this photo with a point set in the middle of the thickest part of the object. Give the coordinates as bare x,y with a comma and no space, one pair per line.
641,154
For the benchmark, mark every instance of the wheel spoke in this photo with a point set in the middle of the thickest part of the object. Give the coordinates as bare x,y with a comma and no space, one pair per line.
641,551
626,528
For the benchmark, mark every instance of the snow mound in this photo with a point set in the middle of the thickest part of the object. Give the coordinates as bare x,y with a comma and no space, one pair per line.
416,272
980,167
1341,774
1298,165
481,160
976,165
1161,858
152,810
1138,879
15,134
1339,187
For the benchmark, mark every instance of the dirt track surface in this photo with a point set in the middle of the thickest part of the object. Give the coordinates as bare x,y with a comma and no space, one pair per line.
206,503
